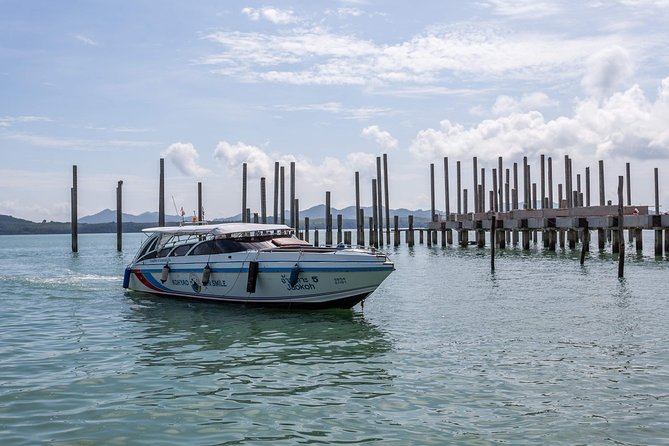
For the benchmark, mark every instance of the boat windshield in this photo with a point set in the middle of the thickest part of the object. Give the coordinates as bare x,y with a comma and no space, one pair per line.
166,245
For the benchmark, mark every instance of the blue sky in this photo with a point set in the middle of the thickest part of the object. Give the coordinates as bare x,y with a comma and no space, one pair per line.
113,86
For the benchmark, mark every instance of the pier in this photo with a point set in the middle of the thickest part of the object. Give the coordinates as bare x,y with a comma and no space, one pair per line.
498,219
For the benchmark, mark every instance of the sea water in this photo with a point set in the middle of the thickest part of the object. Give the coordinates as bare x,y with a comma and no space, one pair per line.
542,351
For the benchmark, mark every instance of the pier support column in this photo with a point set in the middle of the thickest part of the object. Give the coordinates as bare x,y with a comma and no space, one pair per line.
463,237
526,240
601,239
658,242
501,238
552,237
615,242
480,238
572,236
638,236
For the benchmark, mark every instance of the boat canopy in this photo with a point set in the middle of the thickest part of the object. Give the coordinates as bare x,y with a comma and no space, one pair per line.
221,229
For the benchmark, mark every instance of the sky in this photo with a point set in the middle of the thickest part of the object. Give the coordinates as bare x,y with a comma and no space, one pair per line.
114,86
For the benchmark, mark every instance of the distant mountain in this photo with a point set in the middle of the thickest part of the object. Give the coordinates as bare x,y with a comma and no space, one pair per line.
315,212
105,221
318,211
109,216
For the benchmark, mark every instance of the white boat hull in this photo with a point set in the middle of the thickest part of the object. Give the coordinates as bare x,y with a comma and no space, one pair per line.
327,278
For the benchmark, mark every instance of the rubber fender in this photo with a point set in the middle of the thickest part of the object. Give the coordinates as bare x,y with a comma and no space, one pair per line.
164,273
253,277
206,274
126,277
294,275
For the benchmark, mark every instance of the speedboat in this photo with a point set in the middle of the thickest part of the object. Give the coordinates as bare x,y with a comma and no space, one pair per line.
253,263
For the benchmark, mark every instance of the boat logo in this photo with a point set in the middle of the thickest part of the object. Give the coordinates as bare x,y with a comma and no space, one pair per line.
195,283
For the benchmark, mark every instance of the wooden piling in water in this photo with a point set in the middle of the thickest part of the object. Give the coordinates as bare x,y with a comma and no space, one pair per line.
276,194
372,231
458,186
447,203
587,186
373,224
621,236
410,234
433,212
339,228
119,216
263,201
328,227
359,222
476,186
586,240
361,240
199,201
296,207
396,225
526,181
293,212
379,201
282,200
494,203
161,194
500,179
316,242
74,217
306,229
602,197
387,198
658,232
550,182
244,178
493,229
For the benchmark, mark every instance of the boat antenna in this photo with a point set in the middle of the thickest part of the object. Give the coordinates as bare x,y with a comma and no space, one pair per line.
177,210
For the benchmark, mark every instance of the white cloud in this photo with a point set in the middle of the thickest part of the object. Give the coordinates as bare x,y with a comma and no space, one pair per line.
86,40
338,108
346,12
607,70
505,105
9,121
274,15
184,157
624,124
261,164
532,9
318,56
384,139
82,144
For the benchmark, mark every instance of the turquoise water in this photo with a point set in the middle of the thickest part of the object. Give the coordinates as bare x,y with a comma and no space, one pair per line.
543,351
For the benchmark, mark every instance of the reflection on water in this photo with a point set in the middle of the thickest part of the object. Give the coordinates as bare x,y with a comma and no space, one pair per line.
253,368
281,336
